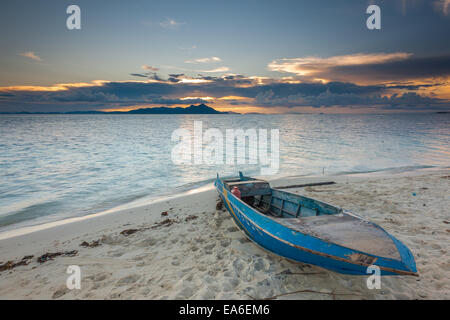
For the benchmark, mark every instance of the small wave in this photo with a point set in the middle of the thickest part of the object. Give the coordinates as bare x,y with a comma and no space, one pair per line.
30,213
389,169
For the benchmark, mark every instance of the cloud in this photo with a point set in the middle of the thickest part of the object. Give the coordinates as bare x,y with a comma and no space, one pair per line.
328,98
170,24
442,6
402,70
175,77
149,68
31,55
315,66
204,60
151,74
188,48
139,75
166,101
219,69
365,68
179,89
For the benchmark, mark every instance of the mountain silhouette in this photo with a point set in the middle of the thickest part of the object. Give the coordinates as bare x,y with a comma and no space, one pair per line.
192,109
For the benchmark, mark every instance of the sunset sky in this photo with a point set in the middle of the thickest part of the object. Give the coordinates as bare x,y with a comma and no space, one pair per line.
241,56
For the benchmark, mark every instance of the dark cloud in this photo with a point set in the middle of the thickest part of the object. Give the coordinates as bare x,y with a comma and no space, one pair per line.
176,75
412,68
327,98
138,75
272,93
178,101
149,75
365,68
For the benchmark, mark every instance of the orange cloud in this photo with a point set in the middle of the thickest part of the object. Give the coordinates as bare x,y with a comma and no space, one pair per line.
192,98
64,86
232,98
31,55
310,66
149,68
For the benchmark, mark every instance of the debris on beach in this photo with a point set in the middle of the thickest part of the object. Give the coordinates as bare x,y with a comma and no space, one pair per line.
49,256
189,218
219,205
93,244
164,213
127,232
164,223
11,264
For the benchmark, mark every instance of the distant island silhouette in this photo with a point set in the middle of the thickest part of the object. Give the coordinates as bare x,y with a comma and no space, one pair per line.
192,109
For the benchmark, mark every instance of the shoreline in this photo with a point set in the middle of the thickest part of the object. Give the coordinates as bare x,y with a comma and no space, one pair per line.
205,185
182,247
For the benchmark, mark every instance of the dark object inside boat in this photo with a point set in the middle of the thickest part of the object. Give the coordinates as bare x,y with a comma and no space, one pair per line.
252,192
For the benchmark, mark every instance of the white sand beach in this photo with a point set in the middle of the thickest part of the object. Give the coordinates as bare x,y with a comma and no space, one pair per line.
183,248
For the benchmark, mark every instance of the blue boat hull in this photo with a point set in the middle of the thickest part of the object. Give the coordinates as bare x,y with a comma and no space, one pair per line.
305,248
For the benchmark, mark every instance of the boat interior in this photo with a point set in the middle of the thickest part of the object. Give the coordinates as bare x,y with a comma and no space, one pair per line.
259,195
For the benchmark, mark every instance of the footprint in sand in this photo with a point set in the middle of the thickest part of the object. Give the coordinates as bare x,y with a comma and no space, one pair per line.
139,257
98,277
225,243
116,254
228,273
213,272
111,240
209,294
202,268
230,284
185,293
261,265
238,265
175,262
60,292
128,279
220,255
149,242
145,292
208,248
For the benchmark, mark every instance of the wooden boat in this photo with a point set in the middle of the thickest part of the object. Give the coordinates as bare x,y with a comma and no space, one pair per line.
311,231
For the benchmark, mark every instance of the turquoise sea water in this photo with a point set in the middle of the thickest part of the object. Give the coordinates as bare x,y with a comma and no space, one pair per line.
58,166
